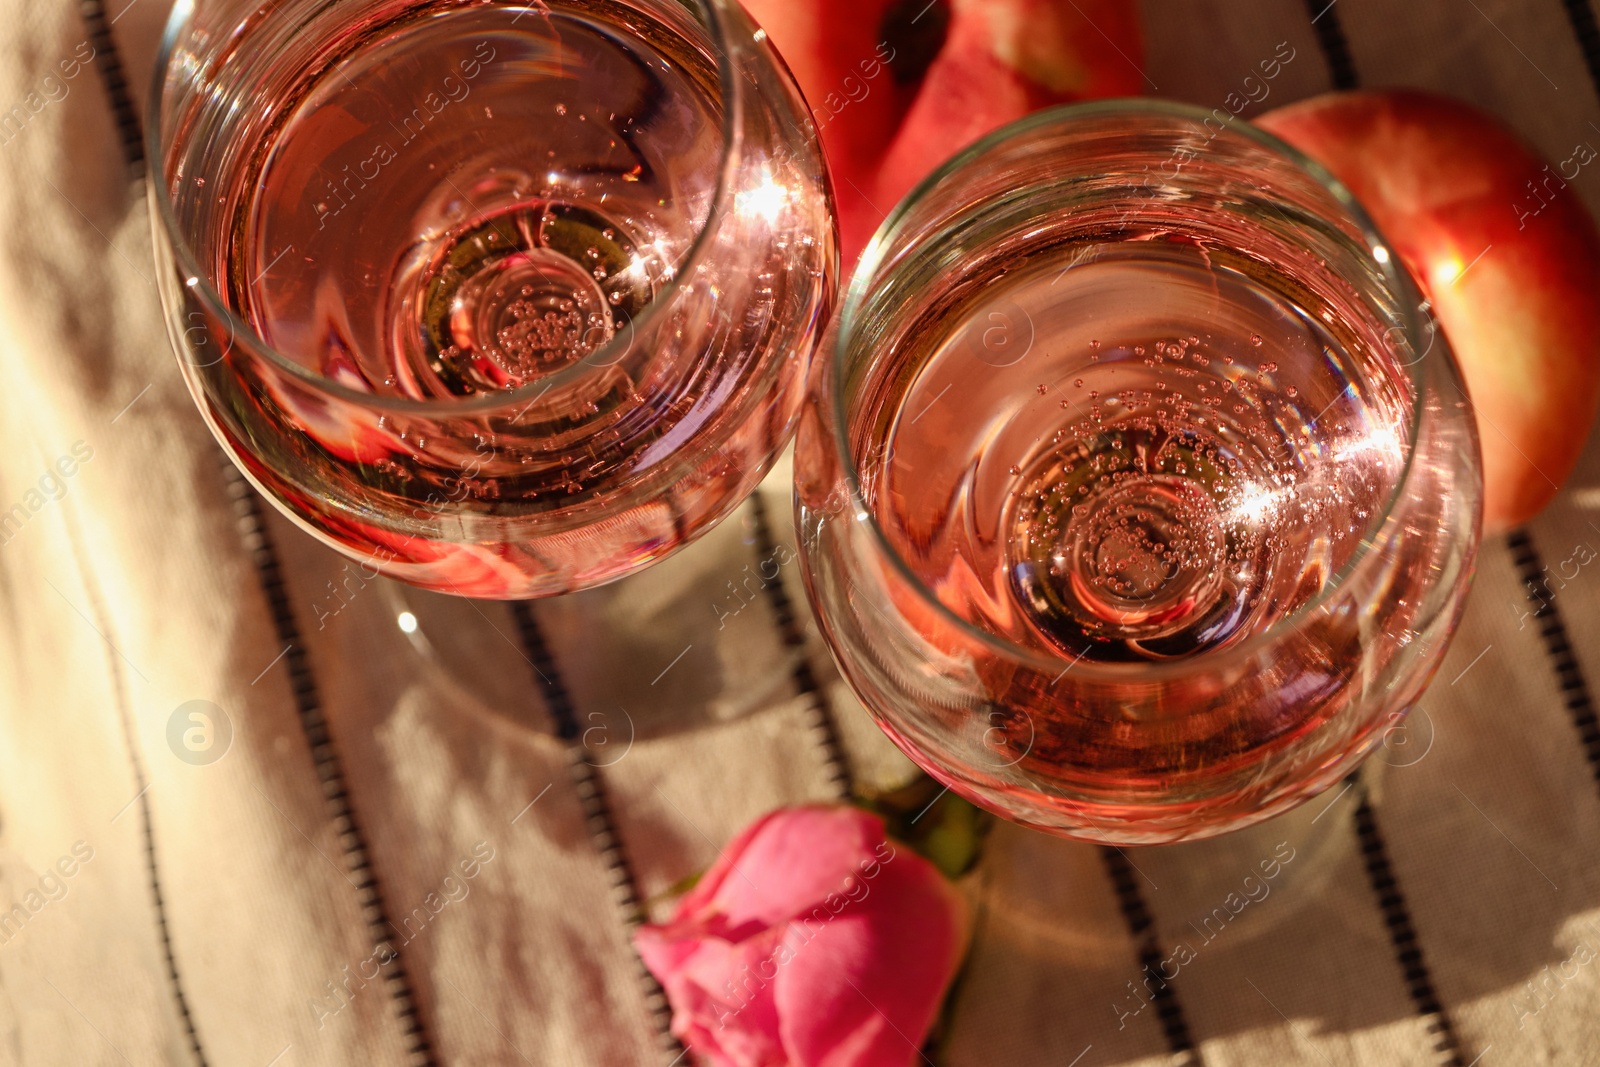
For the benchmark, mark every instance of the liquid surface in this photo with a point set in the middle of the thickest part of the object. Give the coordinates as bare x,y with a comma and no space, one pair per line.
1144,457
445,200
472,198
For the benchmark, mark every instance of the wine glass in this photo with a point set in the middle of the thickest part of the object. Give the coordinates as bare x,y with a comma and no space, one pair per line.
502,299
1138,498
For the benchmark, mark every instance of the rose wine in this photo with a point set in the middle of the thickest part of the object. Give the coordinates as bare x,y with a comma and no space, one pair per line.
1141,458
1140,500
450,247
1169,460
445,203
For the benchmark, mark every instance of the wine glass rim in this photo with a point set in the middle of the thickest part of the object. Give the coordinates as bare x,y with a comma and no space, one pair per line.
605,355
887,237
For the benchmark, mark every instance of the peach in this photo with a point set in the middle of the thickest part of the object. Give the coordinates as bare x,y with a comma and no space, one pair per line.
854,78
1504,251
1001,60
898,86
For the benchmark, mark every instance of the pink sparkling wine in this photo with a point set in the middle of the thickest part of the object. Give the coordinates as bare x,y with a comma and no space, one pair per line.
1141,504
1170,460
450,252
449,203
1140,459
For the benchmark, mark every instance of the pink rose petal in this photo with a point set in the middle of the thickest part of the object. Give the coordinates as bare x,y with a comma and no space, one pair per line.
811,942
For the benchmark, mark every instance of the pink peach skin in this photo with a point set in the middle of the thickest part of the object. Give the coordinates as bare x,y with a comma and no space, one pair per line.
1515,290
811,942
1000,60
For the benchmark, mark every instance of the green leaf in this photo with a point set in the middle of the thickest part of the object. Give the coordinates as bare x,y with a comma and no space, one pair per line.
945,829
676,889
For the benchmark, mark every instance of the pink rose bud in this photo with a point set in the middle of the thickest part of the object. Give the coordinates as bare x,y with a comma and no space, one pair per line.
813,941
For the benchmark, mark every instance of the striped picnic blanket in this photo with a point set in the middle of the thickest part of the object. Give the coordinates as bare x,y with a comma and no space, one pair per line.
378,867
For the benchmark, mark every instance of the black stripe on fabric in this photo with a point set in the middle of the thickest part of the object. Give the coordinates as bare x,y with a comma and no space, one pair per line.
1581,14
1335,45
596,806
152,869
247,508
108,64
108,61
1553,629
1141,927
1374,852
819,715
1403,934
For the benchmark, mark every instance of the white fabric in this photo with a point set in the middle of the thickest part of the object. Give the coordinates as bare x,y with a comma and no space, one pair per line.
134,593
